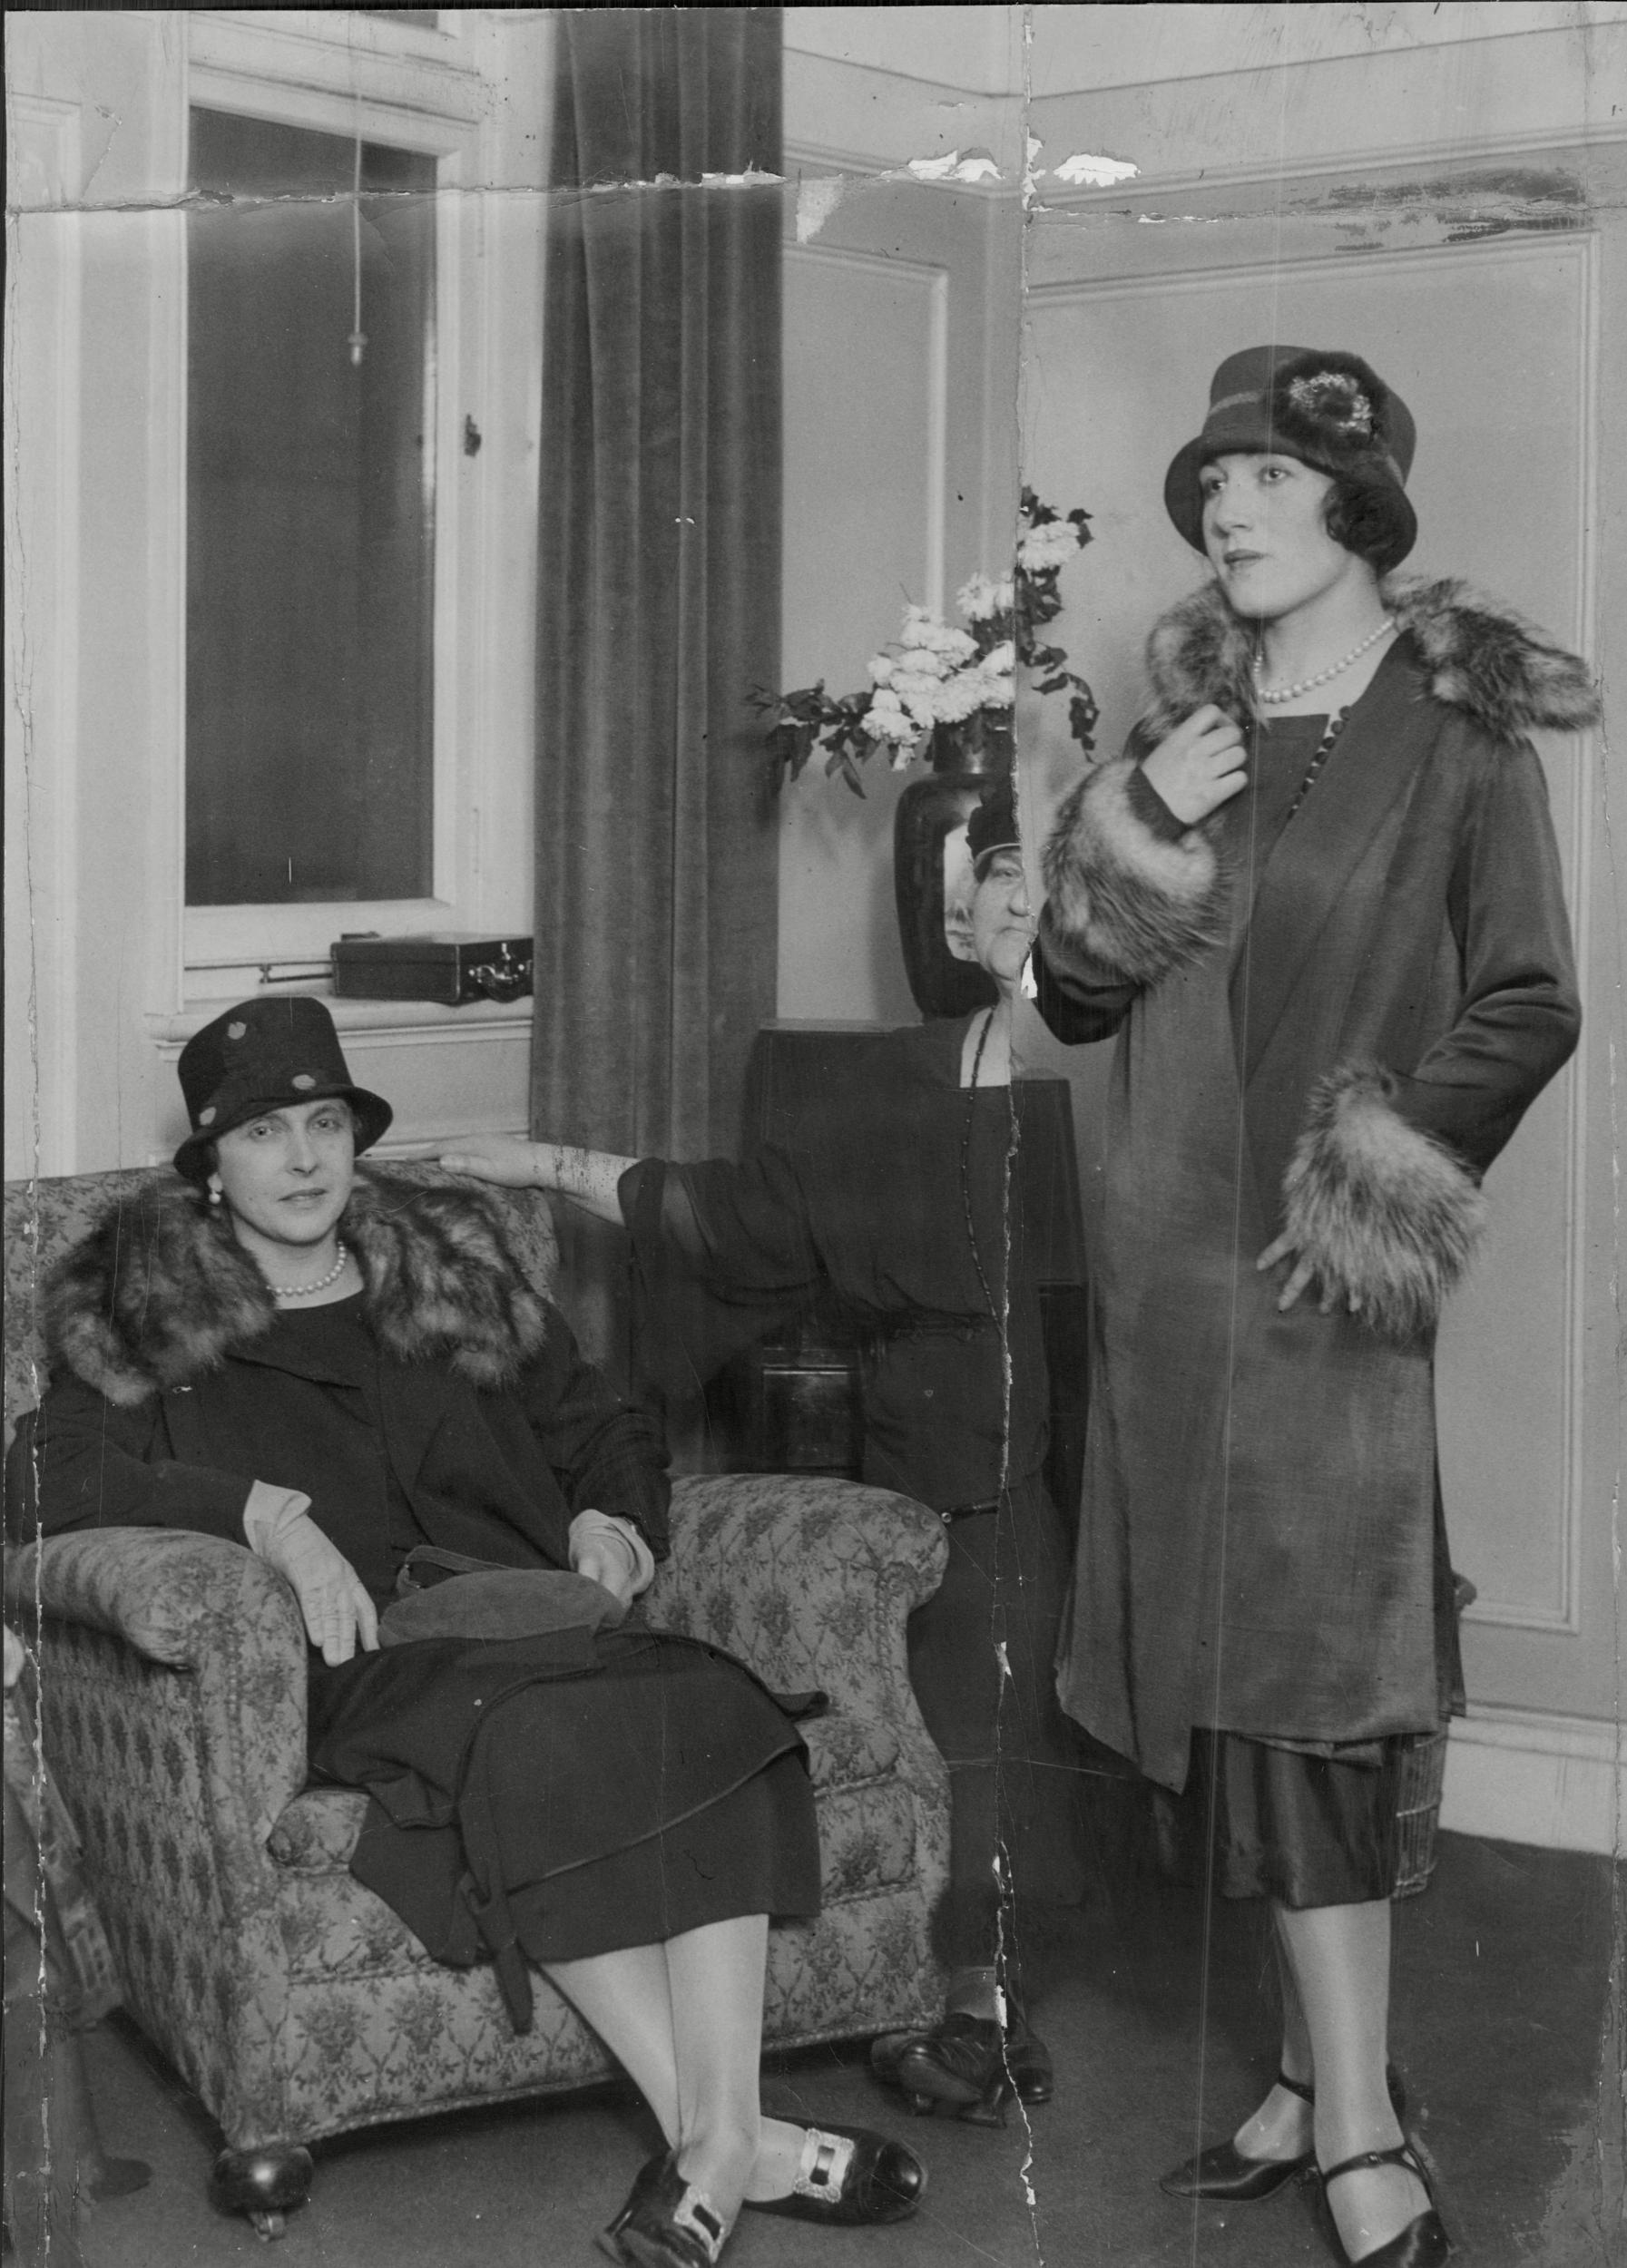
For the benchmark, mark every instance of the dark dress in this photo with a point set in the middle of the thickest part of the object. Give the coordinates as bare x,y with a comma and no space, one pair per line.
904,1195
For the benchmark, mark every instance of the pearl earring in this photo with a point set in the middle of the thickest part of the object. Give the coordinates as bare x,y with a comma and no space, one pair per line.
214,1195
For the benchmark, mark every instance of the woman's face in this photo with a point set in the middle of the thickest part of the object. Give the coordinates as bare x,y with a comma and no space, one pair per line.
285,1176
1002,919
1265,529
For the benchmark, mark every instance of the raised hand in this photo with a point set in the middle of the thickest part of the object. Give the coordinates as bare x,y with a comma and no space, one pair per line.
1200,766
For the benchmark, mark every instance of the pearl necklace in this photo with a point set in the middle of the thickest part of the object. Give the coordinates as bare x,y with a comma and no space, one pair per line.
303,1291
1304,685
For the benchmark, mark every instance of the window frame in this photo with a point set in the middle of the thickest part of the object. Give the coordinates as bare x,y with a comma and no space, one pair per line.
417,89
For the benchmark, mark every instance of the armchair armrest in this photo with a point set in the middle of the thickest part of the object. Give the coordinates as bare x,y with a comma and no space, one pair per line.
160,1589
198,1609
809,1581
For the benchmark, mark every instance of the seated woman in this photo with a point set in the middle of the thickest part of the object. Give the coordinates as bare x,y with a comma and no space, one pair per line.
334,1368
902,1196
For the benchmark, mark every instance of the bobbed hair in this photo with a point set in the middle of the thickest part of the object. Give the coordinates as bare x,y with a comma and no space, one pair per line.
1369,516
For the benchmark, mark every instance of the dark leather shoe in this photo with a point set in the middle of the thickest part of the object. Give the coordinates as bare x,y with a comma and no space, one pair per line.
888,2050
1422,2243
664,2222
881,2181
1028,2060
1223,2172
970,2055
961,2065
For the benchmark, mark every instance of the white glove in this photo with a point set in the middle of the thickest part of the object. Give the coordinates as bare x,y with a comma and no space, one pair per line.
612,1552
337,1609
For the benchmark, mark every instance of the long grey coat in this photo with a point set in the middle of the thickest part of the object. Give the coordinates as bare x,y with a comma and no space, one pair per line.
1337,1043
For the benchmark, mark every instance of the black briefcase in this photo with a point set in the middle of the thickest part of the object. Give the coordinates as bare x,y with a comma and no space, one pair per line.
451,967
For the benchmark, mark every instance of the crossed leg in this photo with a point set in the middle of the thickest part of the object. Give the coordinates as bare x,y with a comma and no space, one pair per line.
684,2017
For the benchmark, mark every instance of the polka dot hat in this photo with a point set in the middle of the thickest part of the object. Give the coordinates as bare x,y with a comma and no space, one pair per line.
263,1055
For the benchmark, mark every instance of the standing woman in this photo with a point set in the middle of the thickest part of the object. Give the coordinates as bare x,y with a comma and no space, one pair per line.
1319,901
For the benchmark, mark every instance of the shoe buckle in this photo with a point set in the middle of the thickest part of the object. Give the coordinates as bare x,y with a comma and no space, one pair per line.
695,2216
823,2169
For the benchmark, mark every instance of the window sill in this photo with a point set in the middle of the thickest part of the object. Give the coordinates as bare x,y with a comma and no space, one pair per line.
486,1019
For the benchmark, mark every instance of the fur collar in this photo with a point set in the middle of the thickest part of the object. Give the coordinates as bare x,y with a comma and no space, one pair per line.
1477,656
161,1293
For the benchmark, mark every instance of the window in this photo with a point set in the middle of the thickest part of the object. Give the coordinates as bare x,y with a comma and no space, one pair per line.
310,517
397,784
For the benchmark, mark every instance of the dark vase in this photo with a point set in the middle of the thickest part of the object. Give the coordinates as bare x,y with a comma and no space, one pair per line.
966,761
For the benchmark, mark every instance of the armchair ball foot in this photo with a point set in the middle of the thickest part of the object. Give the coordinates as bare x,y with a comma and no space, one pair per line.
266,2184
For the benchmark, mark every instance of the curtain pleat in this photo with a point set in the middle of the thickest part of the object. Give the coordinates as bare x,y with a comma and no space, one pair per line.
658,583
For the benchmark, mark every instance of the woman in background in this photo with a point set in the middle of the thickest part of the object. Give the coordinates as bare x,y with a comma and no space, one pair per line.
1319,901
902,1193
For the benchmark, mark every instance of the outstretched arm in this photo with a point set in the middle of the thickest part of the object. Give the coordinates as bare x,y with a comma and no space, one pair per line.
587,1177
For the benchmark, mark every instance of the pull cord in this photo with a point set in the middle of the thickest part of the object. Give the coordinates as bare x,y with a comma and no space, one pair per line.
359,337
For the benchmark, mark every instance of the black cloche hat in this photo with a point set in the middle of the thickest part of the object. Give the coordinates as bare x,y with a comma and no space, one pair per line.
264,1055
1327,407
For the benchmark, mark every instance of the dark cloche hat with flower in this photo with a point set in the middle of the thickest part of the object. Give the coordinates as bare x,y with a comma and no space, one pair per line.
1329,409
266,1055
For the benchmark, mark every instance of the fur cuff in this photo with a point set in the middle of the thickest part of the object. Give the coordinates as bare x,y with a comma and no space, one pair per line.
1122,897
1386,1215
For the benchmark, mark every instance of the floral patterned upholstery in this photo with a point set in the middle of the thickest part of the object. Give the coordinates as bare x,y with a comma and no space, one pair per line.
291,2000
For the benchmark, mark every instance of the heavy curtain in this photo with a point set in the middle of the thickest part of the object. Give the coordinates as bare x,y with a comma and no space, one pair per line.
658,583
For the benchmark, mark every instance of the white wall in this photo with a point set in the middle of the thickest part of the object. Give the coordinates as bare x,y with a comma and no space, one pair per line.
901,342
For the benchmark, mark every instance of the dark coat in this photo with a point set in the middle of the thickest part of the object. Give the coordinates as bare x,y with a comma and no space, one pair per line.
461,1414
159,1329
1336,1042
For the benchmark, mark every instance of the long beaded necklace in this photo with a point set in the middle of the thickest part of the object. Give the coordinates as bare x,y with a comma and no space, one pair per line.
303,1291
1303,685
1319,756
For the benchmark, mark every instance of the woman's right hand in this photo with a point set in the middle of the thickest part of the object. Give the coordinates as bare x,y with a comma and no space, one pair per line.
332,1597
1200,766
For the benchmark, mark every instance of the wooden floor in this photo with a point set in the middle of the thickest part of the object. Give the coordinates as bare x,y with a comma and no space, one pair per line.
1504,2029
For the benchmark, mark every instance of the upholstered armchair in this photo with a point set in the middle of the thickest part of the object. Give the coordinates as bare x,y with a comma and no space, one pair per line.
293,2001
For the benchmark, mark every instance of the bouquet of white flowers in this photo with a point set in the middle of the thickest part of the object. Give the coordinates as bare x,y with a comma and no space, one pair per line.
939,685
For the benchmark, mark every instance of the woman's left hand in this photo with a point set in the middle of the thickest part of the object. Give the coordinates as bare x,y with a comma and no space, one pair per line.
1299,1278
606,1560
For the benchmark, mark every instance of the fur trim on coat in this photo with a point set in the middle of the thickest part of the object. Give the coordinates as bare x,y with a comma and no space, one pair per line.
1481,658
1121,896
1386,1215
161,1293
